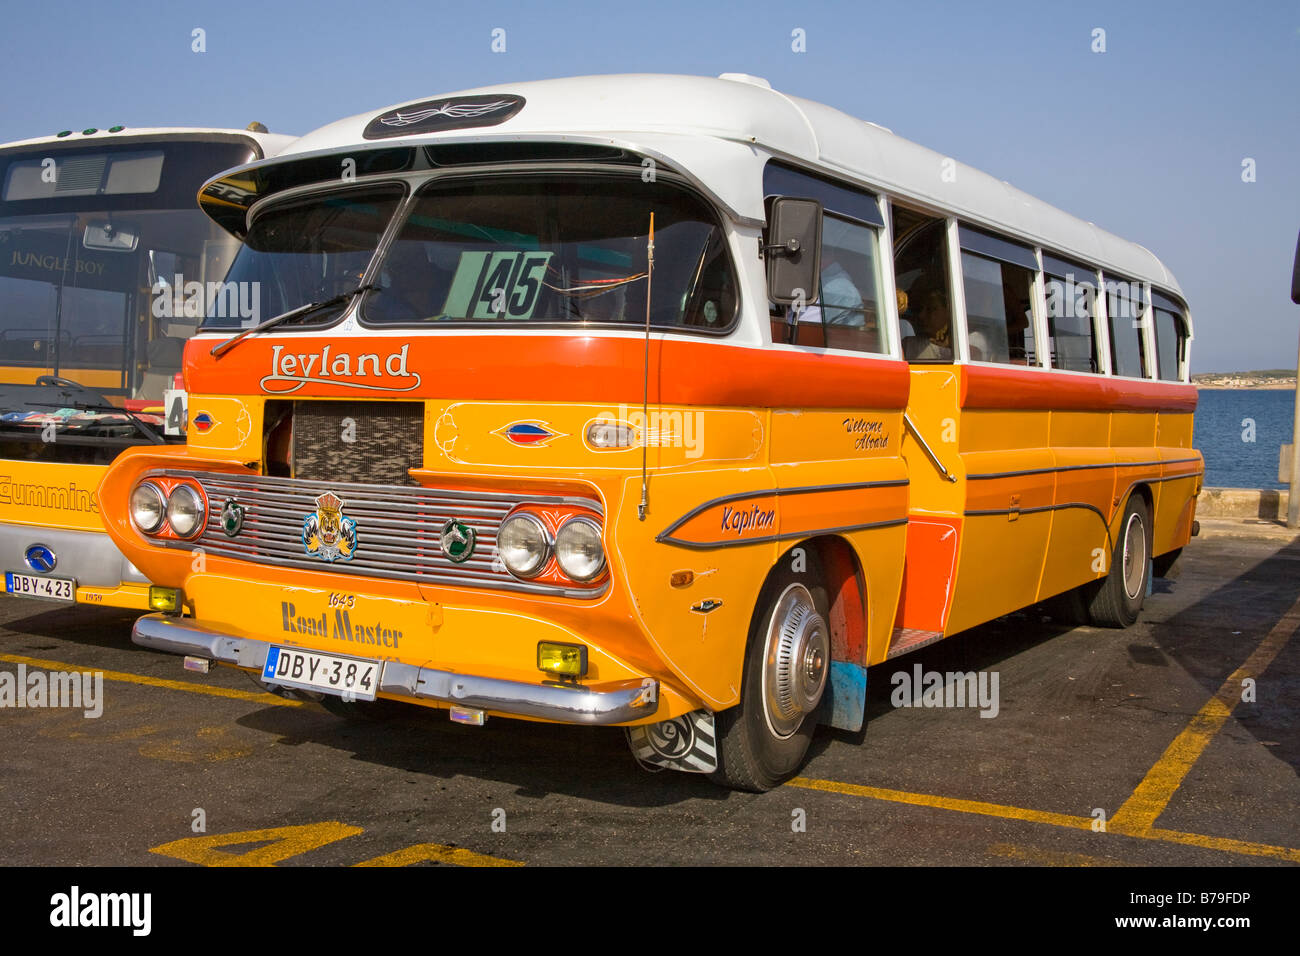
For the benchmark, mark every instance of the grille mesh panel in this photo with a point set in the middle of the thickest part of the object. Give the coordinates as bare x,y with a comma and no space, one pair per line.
389,439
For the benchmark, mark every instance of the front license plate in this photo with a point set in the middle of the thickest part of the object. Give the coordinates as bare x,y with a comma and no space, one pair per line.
341,676
31,585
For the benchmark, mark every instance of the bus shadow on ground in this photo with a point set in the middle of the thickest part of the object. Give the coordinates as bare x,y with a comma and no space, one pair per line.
82,624
1208,639
595,764
539,760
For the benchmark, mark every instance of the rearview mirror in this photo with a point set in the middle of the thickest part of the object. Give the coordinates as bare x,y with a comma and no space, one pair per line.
794,251
110,237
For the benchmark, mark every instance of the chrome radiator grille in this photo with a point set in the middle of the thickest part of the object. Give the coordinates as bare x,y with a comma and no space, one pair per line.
397,529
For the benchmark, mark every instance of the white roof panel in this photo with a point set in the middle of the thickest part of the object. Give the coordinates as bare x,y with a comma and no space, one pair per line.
721,131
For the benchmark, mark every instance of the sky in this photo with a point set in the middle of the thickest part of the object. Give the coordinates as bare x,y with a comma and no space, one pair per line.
1183,135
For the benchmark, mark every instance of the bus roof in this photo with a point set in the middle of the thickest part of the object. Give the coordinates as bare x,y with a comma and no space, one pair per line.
270,144
721,131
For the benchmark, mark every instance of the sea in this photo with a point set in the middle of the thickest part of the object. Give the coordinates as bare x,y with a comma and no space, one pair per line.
1240,432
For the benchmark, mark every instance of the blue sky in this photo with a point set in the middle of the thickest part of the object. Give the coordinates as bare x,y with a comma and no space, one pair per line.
1146,139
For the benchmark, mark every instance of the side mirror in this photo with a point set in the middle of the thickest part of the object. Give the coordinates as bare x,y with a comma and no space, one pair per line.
1295,274
794,251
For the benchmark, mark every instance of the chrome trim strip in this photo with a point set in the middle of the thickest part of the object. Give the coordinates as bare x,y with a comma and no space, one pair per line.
1104,464
929,452
615,703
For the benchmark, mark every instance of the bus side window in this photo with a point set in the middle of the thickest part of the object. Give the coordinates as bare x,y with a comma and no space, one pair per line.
924,293
1171,338
1128,348
849,293
999,316
998,279
1071,296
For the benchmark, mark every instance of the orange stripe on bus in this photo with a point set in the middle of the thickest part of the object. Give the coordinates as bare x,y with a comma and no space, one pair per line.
1043,390
570,368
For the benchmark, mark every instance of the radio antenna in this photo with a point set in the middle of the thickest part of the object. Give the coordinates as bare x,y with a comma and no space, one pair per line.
645,375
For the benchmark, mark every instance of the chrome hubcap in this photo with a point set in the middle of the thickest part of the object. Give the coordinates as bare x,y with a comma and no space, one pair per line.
1135,556
794,661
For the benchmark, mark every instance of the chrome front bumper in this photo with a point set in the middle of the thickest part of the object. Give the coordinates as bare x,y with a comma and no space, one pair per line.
608,703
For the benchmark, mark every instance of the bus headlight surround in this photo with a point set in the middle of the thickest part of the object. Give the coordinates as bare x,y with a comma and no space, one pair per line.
523,544
148,507
578,550
186,512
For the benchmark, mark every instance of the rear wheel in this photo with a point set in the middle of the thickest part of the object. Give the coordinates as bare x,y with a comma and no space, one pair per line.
764,739
1118,599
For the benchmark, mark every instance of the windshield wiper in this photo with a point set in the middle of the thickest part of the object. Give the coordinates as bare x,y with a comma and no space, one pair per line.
222,348
140,426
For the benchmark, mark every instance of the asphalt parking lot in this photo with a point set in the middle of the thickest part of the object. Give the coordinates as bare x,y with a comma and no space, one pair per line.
1171,743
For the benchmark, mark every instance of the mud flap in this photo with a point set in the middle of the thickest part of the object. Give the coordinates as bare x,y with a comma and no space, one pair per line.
687,743
845,703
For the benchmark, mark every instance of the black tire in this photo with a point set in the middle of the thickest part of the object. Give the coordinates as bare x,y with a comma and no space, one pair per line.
757,749
1117,599
362,711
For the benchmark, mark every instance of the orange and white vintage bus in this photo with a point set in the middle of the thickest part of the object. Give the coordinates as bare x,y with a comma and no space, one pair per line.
665,402
105,263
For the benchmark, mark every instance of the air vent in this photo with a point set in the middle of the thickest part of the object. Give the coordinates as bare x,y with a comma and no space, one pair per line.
80,174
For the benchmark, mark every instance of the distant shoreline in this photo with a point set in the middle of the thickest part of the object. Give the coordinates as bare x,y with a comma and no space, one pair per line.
1260,380
1266,387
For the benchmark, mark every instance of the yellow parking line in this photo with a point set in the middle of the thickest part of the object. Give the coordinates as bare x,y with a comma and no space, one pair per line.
1041,816
946,803
1141,810
252,696
439,853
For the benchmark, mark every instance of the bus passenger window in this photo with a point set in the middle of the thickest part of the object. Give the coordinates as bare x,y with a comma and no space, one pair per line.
1071,295
999,313
1128,349
921,277
1171,338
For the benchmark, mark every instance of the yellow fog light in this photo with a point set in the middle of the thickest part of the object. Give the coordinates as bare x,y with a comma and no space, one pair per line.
167,600
566,660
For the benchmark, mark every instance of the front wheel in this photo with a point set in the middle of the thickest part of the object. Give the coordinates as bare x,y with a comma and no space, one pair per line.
1118,598
764,739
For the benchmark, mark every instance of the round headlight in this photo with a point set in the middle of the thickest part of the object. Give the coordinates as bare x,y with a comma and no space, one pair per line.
185,511
523,545
578,550
148,507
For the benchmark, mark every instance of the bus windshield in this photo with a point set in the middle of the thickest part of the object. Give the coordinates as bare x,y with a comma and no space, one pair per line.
106,268
505,250
105,263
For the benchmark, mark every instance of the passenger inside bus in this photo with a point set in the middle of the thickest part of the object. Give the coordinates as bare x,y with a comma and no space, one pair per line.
933,325
921,275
